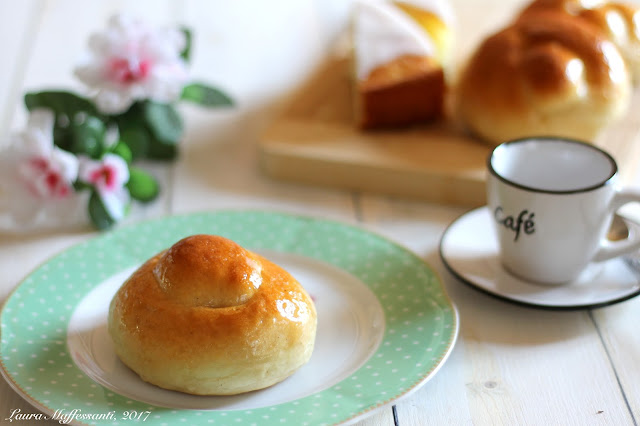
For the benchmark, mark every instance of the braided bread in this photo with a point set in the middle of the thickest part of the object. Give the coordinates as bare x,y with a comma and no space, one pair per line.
208,317
619,22
548,73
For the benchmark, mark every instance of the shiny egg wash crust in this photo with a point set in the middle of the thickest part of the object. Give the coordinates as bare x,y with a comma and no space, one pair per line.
212,310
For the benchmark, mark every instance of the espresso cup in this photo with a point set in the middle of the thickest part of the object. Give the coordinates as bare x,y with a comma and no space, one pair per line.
551,202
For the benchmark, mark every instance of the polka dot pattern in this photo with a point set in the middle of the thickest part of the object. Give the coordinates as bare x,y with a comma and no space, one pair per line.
421,322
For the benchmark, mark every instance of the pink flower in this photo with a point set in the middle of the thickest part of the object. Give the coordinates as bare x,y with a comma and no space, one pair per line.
108,176
46,177
132,61
47,171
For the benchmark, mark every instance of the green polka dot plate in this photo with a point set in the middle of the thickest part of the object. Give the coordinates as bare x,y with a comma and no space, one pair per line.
385,326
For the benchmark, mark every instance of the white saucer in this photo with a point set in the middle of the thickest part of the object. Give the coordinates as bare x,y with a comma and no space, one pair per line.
469,250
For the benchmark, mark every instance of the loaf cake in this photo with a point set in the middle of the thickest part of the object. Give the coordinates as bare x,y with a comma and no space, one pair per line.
401,51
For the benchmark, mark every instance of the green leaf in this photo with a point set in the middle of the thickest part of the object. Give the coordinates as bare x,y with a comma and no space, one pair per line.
186,52
98,212
85,135
60,102
133,131
163,121
81,186
122,149
142,186
137,140
140,125
160,151
79,127
202,94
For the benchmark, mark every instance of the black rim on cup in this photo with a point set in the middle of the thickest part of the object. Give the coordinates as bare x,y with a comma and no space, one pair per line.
603,182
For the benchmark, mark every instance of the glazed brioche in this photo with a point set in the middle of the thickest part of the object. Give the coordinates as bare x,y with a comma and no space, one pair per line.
547,73
619,22
208,317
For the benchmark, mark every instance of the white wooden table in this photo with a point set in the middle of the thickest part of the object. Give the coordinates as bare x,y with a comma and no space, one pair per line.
511,364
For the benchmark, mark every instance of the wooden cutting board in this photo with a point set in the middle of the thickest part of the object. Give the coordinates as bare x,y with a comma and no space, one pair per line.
315,141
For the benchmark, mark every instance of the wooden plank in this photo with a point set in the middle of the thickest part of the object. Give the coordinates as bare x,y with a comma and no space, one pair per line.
17,21
315,141
618,327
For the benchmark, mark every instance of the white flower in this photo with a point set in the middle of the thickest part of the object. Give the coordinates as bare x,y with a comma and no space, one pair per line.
108,176
48,171
132,61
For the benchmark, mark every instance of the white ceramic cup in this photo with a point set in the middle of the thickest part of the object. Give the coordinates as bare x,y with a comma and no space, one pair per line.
552,201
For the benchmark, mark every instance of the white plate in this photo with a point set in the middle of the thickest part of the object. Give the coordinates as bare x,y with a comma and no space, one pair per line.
469,249
350,329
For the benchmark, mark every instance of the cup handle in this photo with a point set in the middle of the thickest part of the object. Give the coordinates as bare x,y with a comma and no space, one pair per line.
610,249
